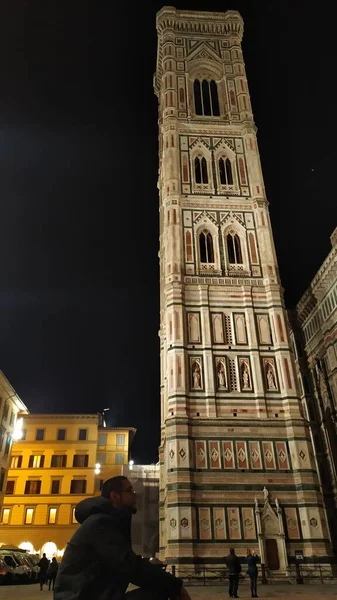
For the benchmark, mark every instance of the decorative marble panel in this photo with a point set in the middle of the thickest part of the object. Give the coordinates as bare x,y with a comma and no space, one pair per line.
255,455
193,328
217,328
205,529
248,520
200,455
282,456
228,455
234,523
268,455
219,523
263,328
293,529
241,455
214,455
240,328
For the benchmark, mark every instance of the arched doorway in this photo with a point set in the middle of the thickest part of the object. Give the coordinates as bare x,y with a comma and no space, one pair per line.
273,540
28,547
50,549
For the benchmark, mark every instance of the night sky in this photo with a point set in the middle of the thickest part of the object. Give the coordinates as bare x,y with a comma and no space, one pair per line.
79,280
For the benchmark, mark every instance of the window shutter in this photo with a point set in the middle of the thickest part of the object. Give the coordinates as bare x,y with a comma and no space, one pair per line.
31,461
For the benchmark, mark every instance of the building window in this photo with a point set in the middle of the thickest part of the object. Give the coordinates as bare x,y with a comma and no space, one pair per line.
5,412
82,434
16,462
78,486
24,435
39,436
206,247
200,170
55,486
101,458
29,514
5,516
33,486
52,516
2,478
10,487
98,485
36,461
102,439
225,169
12,419
206,99
73,518
2,436
80,460
120,439
8,444
61,435
119,459
59,460
234,249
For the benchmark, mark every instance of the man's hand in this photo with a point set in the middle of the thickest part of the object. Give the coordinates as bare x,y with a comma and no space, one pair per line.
184,595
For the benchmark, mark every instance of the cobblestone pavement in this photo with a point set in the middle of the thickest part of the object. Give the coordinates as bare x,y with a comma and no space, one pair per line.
289,592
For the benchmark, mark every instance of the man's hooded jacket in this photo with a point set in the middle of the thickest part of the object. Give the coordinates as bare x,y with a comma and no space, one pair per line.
99,562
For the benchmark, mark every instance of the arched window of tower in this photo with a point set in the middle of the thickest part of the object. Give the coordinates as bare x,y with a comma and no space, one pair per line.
225,169
206,98
234,249
200,170
206,247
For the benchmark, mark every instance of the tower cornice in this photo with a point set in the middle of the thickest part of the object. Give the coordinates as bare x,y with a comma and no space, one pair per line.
208,23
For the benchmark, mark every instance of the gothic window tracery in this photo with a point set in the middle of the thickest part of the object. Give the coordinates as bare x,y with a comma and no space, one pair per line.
234,251
200,170
225,170
206,248
206,99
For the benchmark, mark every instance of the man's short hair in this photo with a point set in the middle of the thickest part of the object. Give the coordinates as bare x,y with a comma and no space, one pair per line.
114,484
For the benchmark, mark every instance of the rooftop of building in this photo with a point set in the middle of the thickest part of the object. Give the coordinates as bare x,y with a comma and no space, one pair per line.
9,392
321,284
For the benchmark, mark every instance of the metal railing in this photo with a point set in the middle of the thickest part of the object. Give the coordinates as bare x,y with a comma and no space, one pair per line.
298,574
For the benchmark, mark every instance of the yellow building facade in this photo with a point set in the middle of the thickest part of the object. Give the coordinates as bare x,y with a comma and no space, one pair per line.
10,406
60,460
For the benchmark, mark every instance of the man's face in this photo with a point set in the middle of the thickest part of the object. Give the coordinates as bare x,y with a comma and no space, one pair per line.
126,498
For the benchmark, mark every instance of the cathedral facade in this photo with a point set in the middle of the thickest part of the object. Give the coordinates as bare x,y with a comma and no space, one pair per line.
237,464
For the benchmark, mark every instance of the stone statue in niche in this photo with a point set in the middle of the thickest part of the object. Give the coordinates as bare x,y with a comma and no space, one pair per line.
196,376
271,384
246,382
265,494
222,382
277,504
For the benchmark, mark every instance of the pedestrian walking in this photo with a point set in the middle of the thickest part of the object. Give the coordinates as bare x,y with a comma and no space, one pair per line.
52,572
99,563
234,570
252,560
43,577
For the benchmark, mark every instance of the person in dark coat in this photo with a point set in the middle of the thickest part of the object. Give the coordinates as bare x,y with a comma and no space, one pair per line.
234,570
252,560
52,572
99,562
43,577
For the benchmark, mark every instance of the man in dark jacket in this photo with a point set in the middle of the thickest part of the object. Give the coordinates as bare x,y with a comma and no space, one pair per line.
234,569
99,562
43,564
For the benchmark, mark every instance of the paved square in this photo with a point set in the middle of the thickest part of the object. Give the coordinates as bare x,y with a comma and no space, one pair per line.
286,591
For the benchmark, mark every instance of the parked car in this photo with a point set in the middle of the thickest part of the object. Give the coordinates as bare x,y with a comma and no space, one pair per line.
13,568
